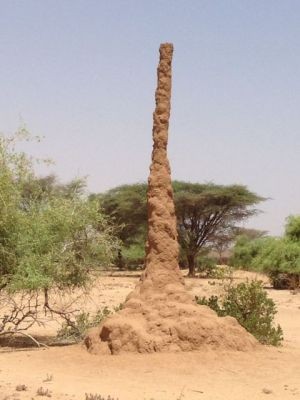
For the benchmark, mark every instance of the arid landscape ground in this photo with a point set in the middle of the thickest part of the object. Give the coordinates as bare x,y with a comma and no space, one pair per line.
70,371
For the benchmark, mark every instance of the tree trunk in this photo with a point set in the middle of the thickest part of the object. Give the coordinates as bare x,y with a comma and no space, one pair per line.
191,264
120,260
220,254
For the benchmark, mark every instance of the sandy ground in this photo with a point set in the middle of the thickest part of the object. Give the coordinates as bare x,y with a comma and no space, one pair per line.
70,372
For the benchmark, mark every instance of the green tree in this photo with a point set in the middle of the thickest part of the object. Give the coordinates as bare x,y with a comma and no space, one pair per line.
246,249
280,259
46,187
127,206
224,239
277,257
50,234
205,211
250,233
292,228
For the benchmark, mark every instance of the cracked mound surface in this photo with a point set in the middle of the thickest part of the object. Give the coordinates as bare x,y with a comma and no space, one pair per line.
167,324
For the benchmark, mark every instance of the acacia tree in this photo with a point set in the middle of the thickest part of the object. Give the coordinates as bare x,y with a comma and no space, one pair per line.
204,213
126,205
222,241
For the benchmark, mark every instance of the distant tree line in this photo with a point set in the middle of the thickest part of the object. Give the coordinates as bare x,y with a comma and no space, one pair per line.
207,217
278,257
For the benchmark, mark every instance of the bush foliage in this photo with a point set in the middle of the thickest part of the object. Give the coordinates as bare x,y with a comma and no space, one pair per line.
249,303
83,322
278,257
47,237
134,256
206,264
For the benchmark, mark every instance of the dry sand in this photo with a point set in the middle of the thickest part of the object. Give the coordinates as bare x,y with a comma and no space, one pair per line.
211,375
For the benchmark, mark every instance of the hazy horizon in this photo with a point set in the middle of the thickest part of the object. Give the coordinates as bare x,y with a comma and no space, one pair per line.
83,74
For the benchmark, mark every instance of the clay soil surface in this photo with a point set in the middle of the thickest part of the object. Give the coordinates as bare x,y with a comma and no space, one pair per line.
70,372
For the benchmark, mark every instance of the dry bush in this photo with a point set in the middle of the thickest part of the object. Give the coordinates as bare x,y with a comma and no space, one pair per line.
21,388
43,392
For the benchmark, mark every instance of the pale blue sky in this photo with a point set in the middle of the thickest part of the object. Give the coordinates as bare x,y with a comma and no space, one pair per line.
83,74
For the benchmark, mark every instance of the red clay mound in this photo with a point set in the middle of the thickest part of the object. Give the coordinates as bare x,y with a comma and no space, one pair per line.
159,315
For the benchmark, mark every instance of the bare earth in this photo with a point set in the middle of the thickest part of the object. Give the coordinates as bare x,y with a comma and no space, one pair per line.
210,375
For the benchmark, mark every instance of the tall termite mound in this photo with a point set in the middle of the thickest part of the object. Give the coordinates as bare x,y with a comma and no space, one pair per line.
160,315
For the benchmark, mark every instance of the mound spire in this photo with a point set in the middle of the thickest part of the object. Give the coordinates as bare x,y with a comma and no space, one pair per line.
160,315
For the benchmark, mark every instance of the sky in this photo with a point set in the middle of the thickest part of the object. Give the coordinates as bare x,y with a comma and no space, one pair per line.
82,74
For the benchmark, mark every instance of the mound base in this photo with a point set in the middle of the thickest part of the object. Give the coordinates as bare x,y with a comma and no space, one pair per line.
167,323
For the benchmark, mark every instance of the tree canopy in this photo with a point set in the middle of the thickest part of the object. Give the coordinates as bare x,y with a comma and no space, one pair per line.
292,228
50,234
126,205
206,211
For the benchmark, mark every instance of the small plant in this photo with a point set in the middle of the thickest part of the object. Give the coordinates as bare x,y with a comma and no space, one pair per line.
221,272
281,280
21,388
98,397
119,307
49,378
43,392
206,265
249,303
83,322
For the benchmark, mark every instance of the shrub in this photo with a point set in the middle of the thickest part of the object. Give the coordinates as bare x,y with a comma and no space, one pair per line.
206,264
43,392
280,259
246,250
134,256
249,303
83,321
284,281
292,228
21,388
